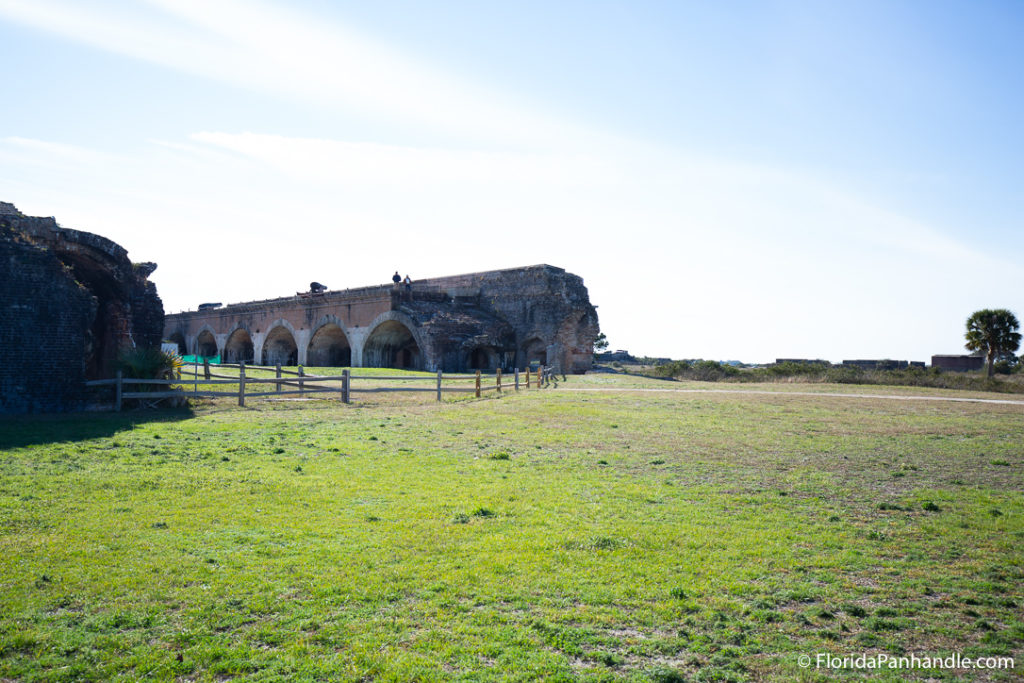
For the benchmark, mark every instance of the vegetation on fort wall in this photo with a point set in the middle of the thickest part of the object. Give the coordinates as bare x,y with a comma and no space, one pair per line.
1010,379
552,535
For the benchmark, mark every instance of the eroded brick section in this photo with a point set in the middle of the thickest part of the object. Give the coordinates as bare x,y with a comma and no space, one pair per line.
69,301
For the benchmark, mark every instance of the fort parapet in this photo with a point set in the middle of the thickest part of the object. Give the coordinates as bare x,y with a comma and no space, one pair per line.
495,319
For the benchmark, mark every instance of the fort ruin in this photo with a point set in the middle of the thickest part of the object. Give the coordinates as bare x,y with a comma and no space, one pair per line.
70,302
478,321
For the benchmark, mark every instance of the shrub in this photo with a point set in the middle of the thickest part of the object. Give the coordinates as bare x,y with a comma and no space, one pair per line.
148,364
140,363
711,371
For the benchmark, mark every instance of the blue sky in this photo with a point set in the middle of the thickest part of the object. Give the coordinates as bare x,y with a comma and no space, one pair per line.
732,180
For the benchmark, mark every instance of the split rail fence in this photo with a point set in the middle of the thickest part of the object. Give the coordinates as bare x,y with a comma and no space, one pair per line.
291,383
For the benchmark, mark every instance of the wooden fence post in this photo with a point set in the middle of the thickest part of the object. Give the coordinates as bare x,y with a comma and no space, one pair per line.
206,368
346,392
439,384
497,380
302,373
241,384
277,367
478,384
117,391
527,376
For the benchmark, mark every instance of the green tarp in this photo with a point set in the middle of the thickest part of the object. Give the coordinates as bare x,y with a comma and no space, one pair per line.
199,359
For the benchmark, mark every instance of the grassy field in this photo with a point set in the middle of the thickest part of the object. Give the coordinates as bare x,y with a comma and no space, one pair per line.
550,535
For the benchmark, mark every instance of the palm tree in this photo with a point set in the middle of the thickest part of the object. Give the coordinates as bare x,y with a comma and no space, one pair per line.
994,332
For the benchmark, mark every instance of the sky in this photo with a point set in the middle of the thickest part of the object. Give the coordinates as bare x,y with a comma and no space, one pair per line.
733,181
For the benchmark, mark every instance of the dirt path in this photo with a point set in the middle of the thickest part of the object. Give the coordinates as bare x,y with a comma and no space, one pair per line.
799,393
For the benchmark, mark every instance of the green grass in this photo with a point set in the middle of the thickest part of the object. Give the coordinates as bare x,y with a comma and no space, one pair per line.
549,535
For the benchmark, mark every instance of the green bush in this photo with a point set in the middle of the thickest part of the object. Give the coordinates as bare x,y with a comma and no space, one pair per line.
1007,365
148,364
674,369
711,371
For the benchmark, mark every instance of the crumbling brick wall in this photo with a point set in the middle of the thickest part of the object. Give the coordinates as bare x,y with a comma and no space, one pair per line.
539,302
69,301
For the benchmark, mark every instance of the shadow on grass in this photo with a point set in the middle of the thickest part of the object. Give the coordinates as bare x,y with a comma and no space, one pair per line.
29,430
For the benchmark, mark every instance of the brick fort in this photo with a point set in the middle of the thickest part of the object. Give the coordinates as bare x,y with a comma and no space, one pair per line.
496,319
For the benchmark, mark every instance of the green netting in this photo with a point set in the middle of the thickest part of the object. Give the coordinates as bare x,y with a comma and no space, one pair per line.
199,359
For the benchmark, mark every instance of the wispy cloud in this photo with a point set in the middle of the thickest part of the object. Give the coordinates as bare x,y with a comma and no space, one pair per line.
326,161
266,48
43,152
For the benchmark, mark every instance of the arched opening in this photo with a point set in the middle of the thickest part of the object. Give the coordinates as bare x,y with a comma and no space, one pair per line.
179,339
239,348
391,345
206,345
483,358
535,352
280,348
329,348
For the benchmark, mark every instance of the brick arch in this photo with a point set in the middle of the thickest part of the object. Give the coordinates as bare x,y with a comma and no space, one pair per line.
204,350
279,344
330,344
399,317
238,326
332,319
388,346
281,322
239,344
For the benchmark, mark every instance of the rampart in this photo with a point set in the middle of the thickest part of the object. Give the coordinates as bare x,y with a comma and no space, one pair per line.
494,319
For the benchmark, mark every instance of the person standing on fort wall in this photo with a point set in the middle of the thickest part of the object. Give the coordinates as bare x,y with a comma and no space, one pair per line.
408,283
396,278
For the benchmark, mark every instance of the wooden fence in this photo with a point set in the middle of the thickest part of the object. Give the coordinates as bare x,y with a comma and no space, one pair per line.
292,382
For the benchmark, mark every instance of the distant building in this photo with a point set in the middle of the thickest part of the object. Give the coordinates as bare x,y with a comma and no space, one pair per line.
958,363
801,361
882,364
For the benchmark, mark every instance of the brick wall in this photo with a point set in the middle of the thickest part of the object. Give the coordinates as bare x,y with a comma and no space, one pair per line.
44,329
69,301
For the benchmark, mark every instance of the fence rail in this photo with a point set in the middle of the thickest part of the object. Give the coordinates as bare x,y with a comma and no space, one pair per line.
299,383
